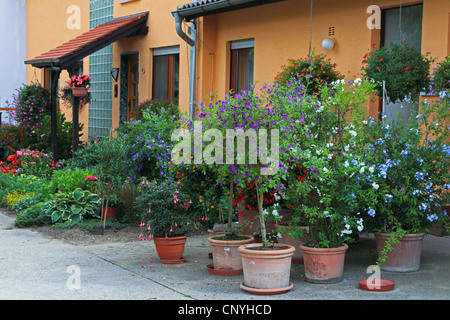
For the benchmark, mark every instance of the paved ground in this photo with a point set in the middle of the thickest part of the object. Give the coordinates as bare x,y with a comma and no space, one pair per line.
33,267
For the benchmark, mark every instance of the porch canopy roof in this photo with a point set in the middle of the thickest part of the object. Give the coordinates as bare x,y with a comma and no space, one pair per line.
193,10
91,41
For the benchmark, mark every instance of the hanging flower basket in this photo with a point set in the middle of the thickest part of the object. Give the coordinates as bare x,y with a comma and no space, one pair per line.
79,84
79,92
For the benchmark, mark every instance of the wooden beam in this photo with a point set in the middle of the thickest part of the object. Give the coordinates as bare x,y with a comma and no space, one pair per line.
54,77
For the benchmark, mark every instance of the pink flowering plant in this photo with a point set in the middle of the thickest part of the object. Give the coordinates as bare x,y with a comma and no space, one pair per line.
30,162
165,211
80,81
32,103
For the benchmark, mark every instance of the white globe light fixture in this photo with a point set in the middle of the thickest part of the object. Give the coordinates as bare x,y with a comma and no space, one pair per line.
328,44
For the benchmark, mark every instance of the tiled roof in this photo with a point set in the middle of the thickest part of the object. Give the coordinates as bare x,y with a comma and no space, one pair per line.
199,3
200,8
103,35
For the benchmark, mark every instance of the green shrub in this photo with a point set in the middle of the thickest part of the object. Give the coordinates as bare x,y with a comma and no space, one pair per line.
68,180
31,216
441,75
314,72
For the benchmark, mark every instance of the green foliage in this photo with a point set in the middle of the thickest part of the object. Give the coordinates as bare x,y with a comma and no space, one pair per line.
169,105
441,75
73,206
18,183
106,157
9,137
404,69
67,180
31,216
40,138
26,202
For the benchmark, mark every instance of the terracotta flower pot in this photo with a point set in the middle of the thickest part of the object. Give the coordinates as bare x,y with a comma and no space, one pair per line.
324,265
170,249
226,257
79,91
111,212
266,271
287,239
406,254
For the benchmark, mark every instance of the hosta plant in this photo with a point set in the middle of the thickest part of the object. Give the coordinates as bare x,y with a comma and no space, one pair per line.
73,206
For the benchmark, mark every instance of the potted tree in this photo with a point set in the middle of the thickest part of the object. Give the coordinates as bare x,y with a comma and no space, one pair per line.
409,183
326,196
266,121
166,217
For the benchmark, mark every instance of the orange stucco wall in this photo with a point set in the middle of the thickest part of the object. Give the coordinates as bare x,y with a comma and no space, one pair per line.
47,29
280,31
161,33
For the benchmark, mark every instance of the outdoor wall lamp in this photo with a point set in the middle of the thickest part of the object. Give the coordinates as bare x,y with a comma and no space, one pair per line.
115,73
328,44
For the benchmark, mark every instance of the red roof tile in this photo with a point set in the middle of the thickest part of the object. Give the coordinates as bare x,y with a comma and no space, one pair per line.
102,32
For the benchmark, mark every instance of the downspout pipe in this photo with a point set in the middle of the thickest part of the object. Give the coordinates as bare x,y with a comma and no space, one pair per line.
178,23
191,40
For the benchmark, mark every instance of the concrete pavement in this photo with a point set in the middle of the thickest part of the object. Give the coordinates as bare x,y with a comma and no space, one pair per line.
36,268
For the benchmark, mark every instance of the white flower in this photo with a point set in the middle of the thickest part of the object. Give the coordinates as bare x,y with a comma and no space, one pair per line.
376,186
346,163
353,133
361,170
325,169
371,169
275,212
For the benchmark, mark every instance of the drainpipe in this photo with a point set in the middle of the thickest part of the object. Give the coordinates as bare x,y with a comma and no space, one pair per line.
191,40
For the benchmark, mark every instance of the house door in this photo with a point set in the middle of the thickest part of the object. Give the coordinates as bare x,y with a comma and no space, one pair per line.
133,85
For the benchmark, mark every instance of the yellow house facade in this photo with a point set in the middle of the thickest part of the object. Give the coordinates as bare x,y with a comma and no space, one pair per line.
195,51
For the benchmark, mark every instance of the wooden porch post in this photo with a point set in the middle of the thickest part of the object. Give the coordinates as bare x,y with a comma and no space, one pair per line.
54,77
75,111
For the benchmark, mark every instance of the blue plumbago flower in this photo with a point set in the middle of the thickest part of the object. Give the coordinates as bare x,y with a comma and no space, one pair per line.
416,193
371,212
446,186
388,198
432,217
423,207
419,175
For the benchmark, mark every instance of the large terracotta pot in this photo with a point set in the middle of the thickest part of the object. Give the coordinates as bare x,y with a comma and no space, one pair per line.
226,257
170,249
266,271
406,254
324,265
287,239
